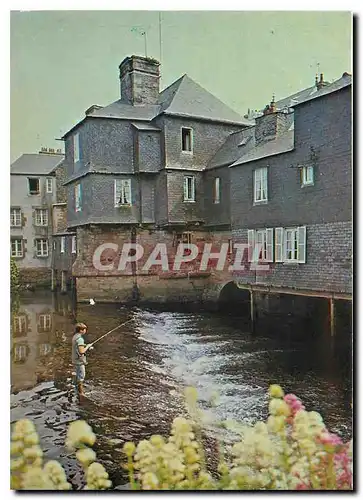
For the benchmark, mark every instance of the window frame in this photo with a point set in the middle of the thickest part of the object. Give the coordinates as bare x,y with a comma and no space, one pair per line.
267,252
189,130
76,148
47,185
122,190
20,324
78,197
17,255
186,198
43,220
305,180
43,253
44,322
217,191
281,244
260,176
15,209
33,192
74,244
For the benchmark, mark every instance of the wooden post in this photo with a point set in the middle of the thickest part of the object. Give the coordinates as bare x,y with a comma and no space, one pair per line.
63,281
252,311
332,317
53,281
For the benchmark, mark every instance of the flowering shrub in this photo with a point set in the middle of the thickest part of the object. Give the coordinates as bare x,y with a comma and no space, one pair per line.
292,450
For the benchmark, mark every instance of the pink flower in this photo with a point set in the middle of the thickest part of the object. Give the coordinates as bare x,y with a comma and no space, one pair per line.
329,438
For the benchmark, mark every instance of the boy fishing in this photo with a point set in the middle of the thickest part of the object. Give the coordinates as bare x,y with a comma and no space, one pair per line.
79,349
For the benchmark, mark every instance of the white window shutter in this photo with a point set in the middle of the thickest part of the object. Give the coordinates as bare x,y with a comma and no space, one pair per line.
127,191
301,244
185,188
251,243
117,190
269,245
279,241
193,188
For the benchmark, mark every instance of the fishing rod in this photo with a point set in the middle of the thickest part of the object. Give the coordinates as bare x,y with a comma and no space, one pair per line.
119,326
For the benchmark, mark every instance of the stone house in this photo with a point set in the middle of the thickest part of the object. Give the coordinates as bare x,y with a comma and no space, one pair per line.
135,173
291,194
33,192
179,166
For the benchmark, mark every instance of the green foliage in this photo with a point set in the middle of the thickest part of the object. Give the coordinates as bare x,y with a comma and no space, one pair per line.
14,275
292,450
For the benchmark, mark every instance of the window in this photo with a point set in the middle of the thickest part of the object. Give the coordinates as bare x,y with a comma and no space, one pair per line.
44,349
122,192
76,148
187,139
185,238
49,184
63,244
189,188
74,244
33,185
260,245
41,248
15,217
19,324
41,217
17,248
260,188
307,176
45,323
290,244
78,197
54,245
20,353
217,190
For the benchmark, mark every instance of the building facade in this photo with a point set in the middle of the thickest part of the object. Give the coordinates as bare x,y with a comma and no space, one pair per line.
178,166
33,193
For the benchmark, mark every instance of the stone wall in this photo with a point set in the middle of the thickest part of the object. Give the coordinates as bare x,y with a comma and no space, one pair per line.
34,277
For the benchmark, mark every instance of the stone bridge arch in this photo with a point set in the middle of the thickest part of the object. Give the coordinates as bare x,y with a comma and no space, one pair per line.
228,297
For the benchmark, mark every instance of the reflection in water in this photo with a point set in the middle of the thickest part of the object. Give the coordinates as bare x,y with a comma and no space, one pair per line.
136,375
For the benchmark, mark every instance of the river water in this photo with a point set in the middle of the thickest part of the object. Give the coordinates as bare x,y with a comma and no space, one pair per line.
136,375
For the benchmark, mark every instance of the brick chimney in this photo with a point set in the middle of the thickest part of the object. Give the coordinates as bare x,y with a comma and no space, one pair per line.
271,124
320,83
139,80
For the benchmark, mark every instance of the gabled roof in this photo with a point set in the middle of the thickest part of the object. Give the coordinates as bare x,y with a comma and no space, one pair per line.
187,98
36,164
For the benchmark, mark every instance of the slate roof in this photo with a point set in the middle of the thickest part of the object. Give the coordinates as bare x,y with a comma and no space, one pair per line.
313,93
184,98
146,126
35,164
187,98
276,146
231,150
233,154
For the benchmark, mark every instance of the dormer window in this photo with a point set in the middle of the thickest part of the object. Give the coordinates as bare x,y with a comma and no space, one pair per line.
187,140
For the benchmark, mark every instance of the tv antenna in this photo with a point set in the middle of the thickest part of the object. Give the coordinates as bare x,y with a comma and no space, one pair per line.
141,31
